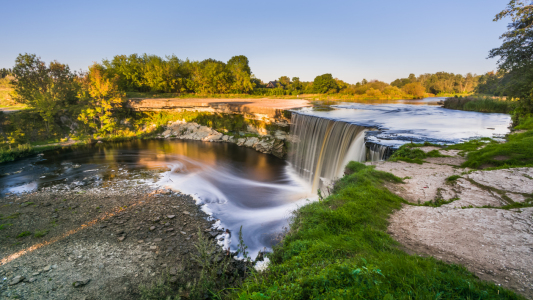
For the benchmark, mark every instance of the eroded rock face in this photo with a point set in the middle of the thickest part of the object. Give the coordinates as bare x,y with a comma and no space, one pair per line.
267,144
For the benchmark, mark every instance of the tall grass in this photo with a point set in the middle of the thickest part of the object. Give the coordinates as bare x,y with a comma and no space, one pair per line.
12,153
480,104
338,248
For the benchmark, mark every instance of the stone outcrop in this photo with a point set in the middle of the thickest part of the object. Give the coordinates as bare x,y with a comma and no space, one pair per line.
268,144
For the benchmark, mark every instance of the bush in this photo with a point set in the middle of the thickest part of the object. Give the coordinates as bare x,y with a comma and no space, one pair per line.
479,104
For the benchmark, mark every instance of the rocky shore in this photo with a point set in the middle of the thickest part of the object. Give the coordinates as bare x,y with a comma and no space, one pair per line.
96,242
466,221
265,143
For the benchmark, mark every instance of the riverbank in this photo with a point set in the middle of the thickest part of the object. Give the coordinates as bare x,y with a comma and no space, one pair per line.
91,241
339,248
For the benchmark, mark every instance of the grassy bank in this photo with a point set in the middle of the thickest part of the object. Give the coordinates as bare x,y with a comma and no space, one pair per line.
479,104
20,151
339,249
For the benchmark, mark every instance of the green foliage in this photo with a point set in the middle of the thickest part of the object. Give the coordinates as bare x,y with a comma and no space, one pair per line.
241,247
480,104
23,234
10,154
439,83
325,84
48,89
339,249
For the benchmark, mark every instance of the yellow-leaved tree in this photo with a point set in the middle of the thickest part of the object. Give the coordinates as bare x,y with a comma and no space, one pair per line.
103,98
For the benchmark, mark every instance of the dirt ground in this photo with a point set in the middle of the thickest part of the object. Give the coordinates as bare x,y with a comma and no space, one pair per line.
496,244
98,243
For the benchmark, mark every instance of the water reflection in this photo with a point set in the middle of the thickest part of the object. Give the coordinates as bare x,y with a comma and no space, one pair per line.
238,185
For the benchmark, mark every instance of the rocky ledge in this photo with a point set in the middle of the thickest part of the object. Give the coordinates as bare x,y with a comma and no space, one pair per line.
269,143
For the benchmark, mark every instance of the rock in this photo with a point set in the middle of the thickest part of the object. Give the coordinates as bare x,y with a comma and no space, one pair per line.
31,280
120,231
140,241
54,266
171,216
241,141
35,274
183,232
186,213
250,142
121,238
279,149
152,228
169,229
158,239
80,283
47,268
17,280
153,248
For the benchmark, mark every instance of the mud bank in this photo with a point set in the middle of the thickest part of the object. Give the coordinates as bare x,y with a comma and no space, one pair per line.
95,242
472,230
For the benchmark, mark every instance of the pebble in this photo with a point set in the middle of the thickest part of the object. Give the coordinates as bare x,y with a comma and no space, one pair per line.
80,283
47,268
171,216
35,274
17,280
121,238
140,241
158,239
183,232
152,228
186,213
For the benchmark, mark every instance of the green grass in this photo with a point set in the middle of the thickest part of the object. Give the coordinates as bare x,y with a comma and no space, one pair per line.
411,154
339,248
516,152
479,104
4,226
452,179
40,233
23,234
12,216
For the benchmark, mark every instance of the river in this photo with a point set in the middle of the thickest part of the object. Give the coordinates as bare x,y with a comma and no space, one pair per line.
238,185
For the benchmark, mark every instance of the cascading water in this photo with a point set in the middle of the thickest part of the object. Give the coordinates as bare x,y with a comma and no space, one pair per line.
377,152
321,148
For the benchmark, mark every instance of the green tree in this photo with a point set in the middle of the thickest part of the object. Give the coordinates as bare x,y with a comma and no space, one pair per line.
325,83
102,99
47,89
240,70
516,55
415,89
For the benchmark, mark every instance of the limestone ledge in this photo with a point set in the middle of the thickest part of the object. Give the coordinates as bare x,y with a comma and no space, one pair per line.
268,144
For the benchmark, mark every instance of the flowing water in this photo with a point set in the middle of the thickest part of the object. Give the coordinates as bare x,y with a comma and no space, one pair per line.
242,187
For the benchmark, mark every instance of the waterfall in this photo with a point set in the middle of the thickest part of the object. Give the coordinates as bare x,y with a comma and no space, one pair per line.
377,152
321,148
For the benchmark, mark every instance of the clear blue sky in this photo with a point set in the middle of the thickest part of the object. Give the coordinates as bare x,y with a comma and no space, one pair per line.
352,40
